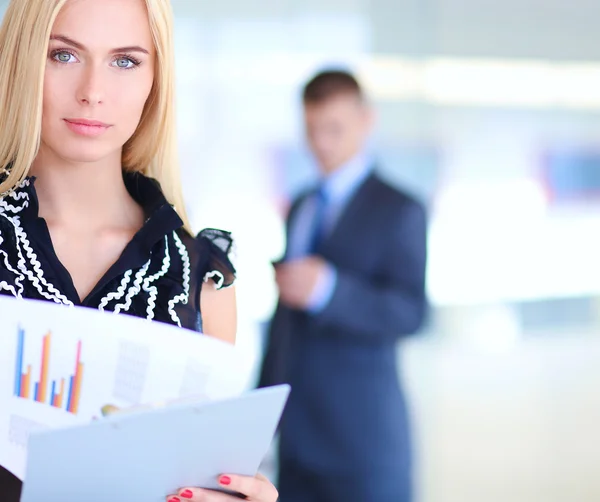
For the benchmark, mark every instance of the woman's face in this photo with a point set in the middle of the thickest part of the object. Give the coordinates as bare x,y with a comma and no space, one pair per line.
99,74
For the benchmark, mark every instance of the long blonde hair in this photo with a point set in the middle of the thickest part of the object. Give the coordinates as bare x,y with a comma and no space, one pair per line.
24,39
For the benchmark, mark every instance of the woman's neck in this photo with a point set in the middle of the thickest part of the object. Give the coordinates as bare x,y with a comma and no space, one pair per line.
84,195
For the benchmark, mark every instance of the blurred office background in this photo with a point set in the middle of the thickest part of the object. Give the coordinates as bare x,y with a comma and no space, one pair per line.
489,111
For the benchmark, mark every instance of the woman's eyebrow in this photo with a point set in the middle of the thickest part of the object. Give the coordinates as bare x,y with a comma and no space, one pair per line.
81,47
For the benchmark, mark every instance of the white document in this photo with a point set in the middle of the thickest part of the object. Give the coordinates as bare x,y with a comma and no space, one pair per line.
60,365
148,455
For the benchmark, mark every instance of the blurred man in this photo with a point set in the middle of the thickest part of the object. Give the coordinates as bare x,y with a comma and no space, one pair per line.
351,284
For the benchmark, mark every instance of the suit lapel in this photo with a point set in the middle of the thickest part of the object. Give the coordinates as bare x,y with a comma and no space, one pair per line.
356,207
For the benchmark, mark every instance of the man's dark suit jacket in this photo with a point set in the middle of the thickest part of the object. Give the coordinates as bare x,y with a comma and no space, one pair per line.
346,412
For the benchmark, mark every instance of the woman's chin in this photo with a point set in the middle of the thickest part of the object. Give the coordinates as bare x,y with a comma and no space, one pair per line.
88,154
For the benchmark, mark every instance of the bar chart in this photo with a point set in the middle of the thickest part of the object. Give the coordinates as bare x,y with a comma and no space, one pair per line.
64,392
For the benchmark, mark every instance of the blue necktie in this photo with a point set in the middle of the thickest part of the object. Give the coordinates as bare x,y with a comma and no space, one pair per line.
318,223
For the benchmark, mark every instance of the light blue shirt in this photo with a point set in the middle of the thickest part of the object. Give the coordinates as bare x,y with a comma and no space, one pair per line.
339,187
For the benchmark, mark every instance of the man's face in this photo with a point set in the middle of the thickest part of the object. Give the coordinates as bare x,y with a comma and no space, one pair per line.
337,129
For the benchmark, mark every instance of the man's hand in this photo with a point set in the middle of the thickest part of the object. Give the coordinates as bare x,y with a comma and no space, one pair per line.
297,280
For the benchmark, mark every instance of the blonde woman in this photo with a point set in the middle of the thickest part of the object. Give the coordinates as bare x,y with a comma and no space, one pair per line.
87,121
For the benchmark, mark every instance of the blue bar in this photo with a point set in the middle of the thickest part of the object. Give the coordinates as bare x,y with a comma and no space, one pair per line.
19,365
52,393
71,380
35,394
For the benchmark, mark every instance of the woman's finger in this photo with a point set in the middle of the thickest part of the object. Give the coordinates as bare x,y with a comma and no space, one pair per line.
256,489
200,495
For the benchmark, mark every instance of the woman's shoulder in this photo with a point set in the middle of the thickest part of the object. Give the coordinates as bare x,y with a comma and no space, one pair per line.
11,207
15,205
211,250
15,201
218,240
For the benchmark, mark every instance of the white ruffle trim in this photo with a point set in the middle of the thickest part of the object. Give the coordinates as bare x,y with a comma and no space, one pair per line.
29,268
212,274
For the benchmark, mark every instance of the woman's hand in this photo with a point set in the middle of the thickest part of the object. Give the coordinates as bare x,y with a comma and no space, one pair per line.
255,489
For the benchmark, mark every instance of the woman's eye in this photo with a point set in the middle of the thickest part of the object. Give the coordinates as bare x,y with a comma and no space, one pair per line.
124,63
64,57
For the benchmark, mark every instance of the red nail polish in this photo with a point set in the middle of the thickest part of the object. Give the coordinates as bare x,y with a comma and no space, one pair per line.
186,494
225,480
173,499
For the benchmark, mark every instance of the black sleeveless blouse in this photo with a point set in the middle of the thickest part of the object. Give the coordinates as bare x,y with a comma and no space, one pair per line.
158,276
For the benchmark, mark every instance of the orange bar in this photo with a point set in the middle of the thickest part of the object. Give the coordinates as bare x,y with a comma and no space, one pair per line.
43,385
77,390
61,394
23,385
26,383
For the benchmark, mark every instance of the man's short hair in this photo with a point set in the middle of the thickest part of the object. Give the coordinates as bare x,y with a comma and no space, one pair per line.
330,84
